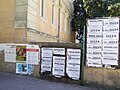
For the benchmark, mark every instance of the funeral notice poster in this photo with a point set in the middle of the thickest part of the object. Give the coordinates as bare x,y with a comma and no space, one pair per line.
46,59
32,54
10,53
58,66
73,63
59,51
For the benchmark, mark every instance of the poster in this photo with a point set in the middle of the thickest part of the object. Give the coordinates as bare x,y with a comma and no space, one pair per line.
10,53
32,54
21,68
111,21
73,63
74,52
73,73
59,51
21,53
94,47
2,47
24,68
94,29
111,28
30,69
95,22
94,41
94,35
58,66
46,59
109,60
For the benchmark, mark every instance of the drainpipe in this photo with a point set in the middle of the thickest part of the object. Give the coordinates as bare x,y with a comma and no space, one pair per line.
59,23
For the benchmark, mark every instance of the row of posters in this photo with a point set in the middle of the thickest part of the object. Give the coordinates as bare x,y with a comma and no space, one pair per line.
54,61
25,56
102,42
22,53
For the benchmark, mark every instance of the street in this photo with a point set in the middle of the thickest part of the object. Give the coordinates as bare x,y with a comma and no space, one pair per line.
19,82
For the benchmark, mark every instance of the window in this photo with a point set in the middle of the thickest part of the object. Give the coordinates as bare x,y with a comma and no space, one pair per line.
53,12
42,8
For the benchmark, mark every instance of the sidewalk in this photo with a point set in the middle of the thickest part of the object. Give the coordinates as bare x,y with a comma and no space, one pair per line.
19,82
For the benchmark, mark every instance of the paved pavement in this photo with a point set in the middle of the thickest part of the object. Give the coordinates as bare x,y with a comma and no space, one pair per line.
19,82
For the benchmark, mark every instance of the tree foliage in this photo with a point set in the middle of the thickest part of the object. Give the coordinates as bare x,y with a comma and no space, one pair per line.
91,9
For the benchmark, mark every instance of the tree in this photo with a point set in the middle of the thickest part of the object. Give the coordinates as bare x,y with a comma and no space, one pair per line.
91,9
79,18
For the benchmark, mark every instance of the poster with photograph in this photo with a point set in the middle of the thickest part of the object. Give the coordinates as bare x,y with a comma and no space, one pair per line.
21,68
32,54
46,59
59,51
73,63
24,68
58,66
21,53
10,53
30,69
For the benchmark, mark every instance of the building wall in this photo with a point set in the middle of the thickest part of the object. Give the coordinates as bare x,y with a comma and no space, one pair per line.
8,34
20,21
46,27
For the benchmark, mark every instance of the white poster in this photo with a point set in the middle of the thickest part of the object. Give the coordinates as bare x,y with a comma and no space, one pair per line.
94,35
2,47
46,59
73,72
110,60
58,66
59,51
10,53
94,47
94,41
32,54
110,35
74,52
111,28
94,52
110,41
95,22
111,21
110,47
94,29
110,53
73,63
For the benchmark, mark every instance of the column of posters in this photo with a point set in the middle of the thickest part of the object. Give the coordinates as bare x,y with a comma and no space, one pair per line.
73,63
102,42
94,43
58,68
46,59
110,41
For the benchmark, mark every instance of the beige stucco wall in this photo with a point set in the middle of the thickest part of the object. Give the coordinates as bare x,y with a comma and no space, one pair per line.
45,25
8,34
13,15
